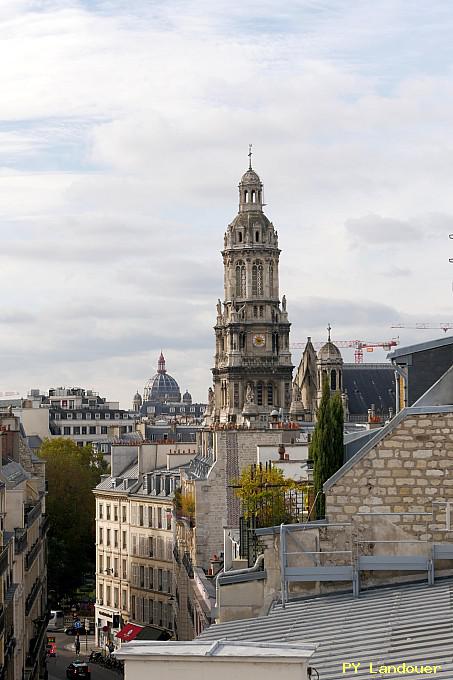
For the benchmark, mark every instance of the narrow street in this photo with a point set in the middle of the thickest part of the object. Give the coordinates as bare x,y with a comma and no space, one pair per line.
66,653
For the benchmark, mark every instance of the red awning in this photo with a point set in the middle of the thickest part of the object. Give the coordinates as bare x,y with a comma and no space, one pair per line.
129,632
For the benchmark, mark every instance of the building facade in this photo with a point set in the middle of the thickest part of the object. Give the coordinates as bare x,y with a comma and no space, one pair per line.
23,558
253,370
134,540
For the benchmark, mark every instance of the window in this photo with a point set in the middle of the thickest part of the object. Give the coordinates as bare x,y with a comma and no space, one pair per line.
107,507
108,591
240,236
76,430
87,416
124,568
259,394
66,430
101,511
140,515
101,536
101,564
57,416
172,409
257,278
80,445
108,537
168,515
192,409
92,430
106,416
159,579
182,409
255,311
115,538
333,379
117,416
84,429
151,546
79,416
257,236
115,513
124,600
115,567
270,394
123,512
159,518
97,416
142,576
69,416
104,429
124,541
240,279
261,311
115,597
271,279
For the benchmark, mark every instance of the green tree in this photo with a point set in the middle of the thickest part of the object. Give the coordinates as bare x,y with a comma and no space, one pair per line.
262,491
326,447
72,472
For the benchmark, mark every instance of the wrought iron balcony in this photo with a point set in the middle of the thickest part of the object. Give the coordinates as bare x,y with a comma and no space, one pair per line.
44,525
32,553
31,513
4,559
32,596
20,541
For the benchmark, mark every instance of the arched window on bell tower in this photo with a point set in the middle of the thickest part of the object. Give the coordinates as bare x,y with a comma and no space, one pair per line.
240,279
333,380
257,278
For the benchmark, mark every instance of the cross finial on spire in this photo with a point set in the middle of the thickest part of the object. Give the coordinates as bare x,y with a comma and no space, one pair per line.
329,328
250,156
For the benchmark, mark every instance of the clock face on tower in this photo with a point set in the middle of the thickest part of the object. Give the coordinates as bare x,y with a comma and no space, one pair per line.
259,341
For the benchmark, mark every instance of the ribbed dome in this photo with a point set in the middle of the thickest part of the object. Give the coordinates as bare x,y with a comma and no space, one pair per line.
162,387
138,397
187,397
329,351
250,177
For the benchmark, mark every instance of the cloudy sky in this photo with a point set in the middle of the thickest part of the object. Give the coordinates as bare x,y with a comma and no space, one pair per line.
124,130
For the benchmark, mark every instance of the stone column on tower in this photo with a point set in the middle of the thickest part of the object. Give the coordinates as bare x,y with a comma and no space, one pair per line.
253,369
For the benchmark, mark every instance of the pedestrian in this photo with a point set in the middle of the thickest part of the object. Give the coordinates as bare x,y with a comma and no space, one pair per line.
111,647
77,645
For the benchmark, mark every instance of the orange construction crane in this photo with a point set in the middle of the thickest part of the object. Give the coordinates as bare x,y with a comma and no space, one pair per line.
422,326
358,345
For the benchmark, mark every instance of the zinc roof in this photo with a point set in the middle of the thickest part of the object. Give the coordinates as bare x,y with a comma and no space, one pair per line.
410,623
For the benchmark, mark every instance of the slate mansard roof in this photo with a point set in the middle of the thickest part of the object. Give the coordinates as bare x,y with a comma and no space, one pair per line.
368,384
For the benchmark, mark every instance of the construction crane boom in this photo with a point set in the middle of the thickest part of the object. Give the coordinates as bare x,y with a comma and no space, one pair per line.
422,326
358,345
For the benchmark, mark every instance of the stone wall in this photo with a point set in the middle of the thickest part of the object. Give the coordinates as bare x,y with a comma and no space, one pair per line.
406,472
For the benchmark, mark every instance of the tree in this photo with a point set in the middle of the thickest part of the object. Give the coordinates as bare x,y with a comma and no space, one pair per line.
72,472
326,448
263,494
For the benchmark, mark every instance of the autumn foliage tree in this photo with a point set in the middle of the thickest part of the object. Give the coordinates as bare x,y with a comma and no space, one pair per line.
72,472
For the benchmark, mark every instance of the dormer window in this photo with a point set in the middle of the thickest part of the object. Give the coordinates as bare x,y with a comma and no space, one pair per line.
257,236
240,237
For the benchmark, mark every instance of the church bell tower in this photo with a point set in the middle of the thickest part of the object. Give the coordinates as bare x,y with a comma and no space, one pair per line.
253,370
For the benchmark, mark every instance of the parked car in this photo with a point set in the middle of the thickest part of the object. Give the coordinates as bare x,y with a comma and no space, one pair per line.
51,649
73,630
78,669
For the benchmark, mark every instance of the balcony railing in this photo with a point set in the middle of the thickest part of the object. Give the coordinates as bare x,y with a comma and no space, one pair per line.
44,525
31,513
32,596
32,553
20,541
4,560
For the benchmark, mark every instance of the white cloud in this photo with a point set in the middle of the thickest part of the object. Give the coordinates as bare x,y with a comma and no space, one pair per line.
123,136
